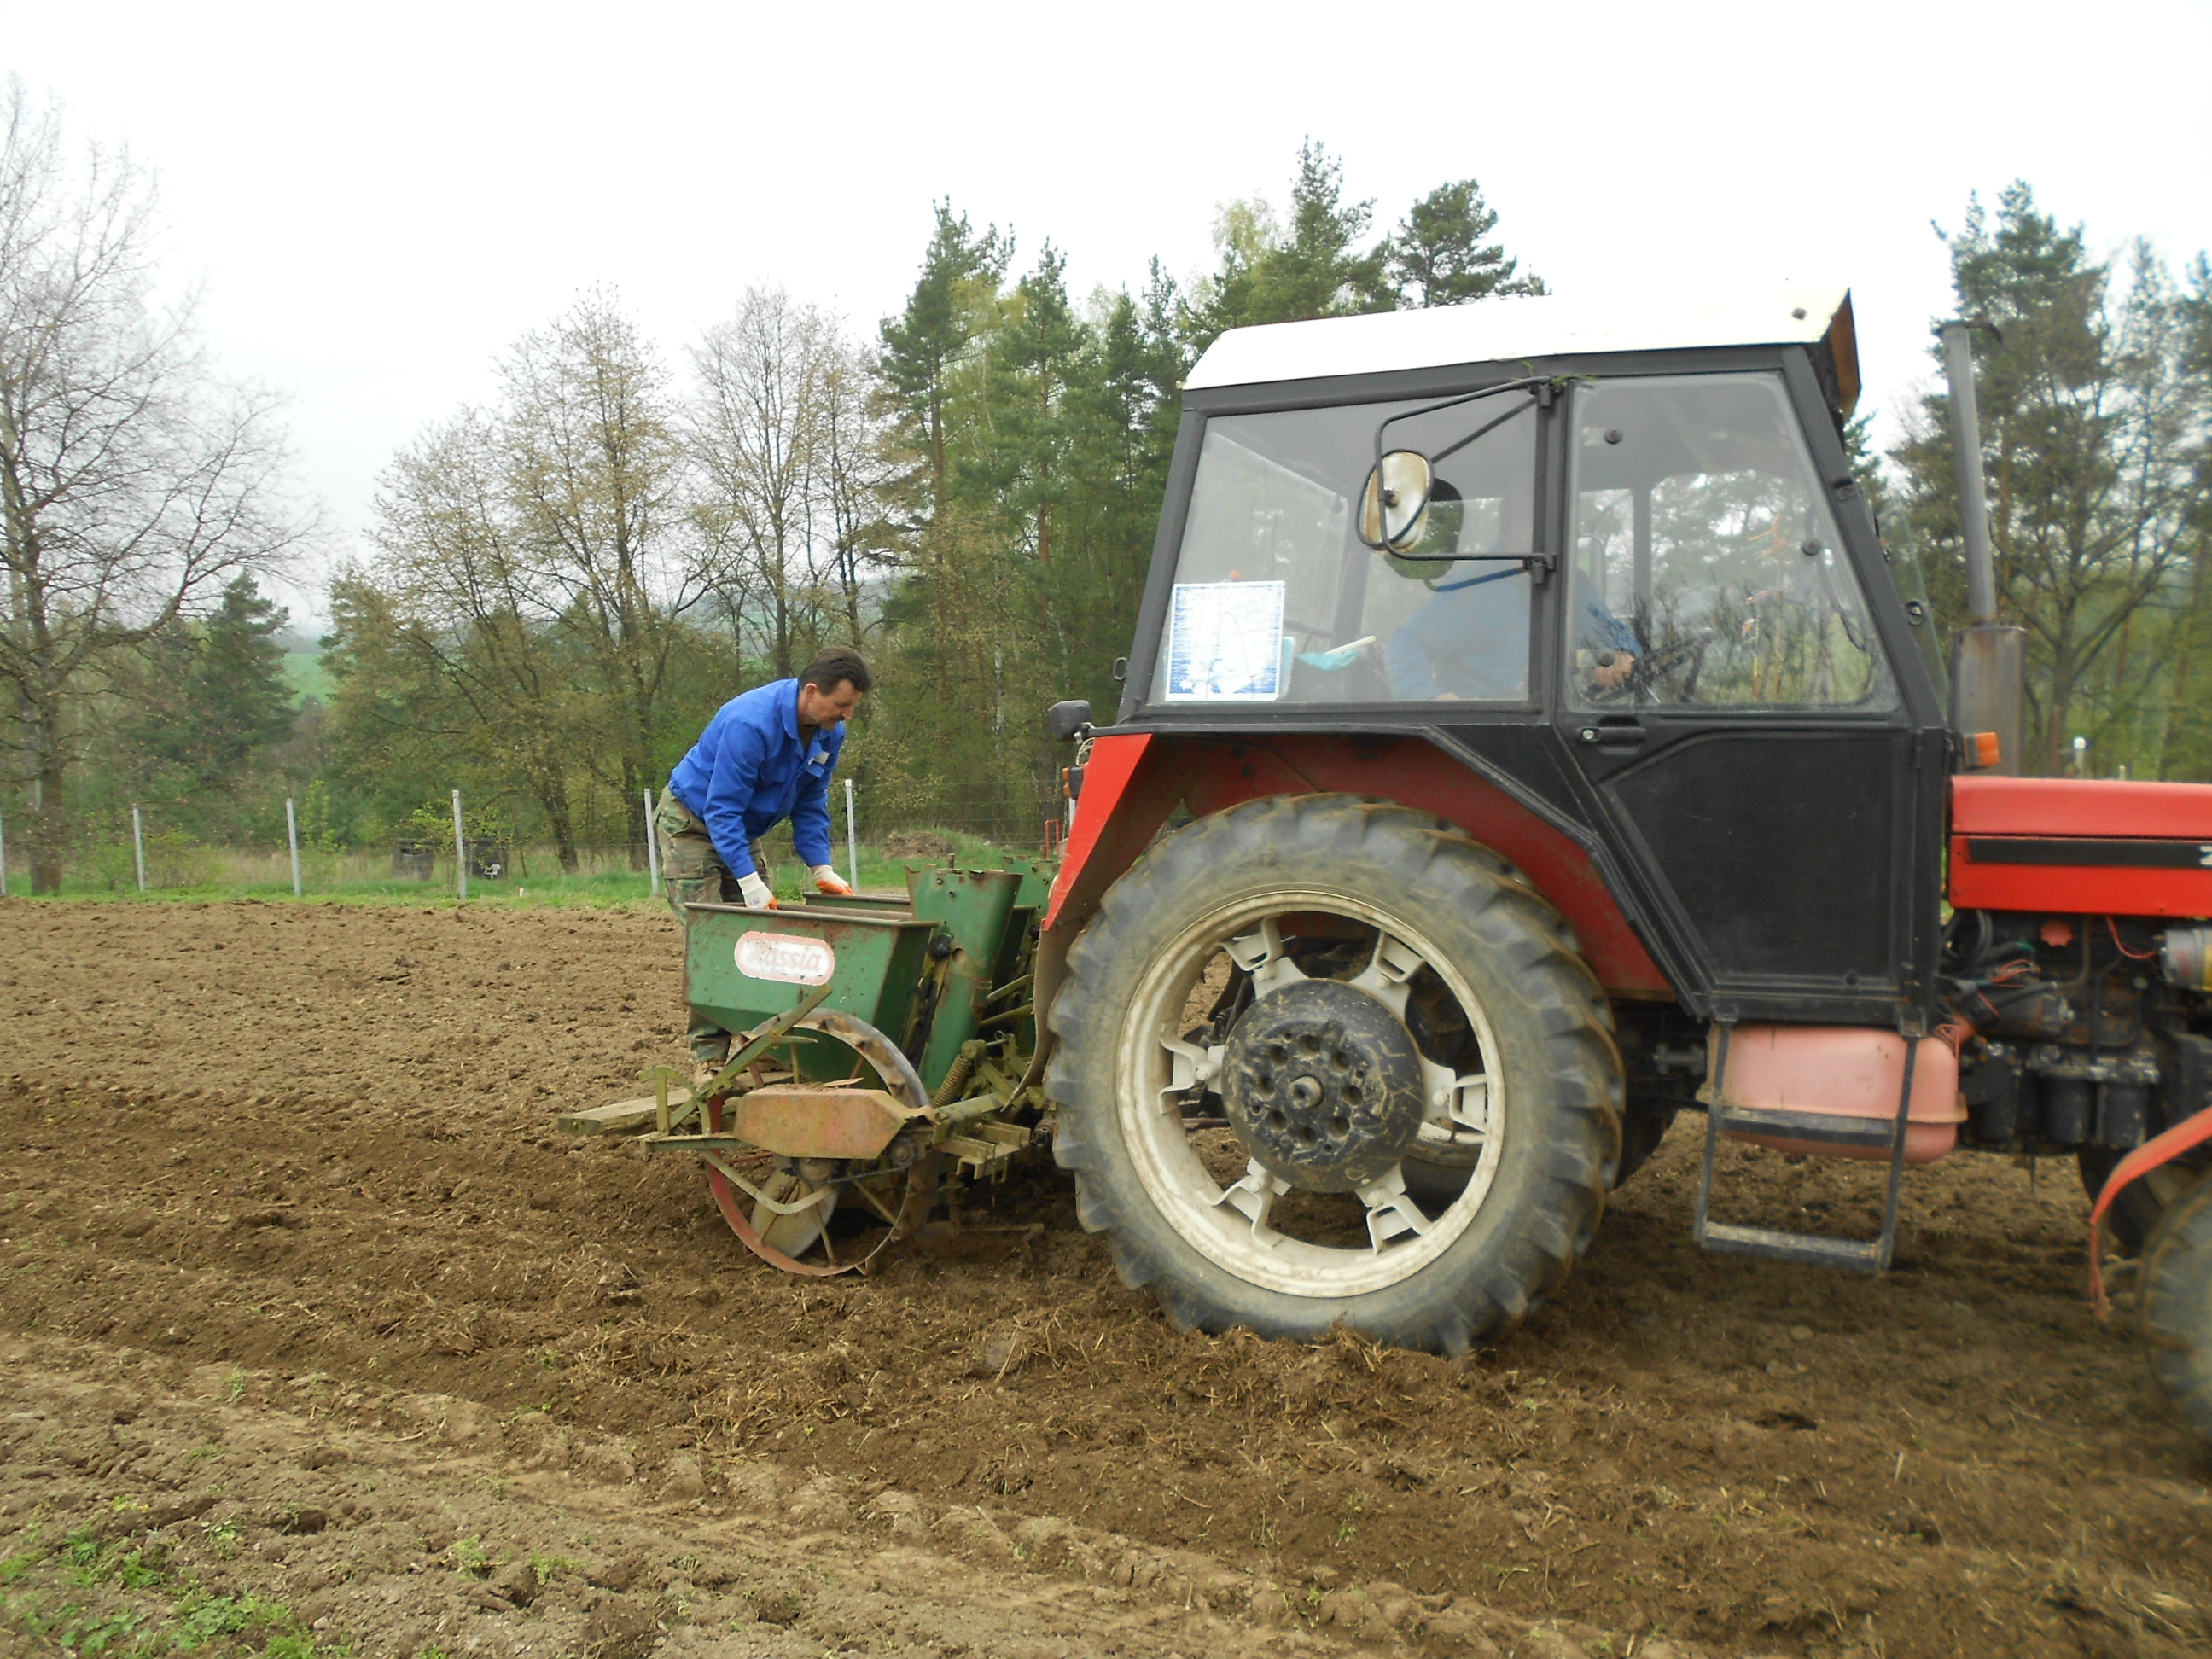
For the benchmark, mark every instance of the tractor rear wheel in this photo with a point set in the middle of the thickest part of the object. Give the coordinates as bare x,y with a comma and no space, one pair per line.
1407,1005
2174,1306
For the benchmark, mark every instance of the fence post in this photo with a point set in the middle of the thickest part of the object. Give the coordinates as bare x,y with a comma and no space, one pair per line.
852,838
138,843
652,850
3,858
292,835
460,850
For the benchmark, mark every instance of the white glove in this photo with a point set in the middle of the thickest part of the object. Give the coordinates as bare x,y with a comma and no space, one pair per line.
757,894
827,880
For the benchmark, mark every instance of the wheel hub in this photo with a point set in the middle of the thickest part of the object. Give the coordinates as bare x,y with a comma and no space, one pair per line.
1323,1085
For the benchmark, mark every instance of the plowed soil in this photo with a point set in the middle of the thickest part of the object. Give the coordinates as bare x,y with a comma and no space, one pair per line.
281,1182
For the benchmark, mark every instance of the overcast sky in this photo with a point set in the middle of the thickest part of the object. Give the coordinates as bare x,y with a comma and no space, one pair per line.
376,200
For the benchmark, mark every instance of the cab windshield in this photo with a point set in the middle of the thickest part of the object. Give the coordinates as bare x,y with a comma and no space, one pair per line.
1276,600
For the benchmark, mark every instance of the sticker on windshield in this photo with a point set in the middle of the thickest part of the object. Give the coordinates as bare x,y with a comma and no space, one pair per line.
787,957
1226,642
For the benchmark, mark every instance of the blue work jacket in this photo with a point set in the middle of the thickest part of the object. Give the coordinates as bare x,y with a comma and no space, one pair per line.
748,771
1471,639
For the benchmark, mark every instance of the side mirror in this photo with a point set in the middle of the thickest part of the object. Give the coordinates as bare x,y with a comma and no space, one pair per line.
1395,502
1064,722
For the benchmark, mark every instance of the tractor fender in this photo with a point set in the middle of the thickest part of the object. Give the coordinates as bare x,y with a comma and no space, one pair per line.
1134,781
1103,841
2159,1150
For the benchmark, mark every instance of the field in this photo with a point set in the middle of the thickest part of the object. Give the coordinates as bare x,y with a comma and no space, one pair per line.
315,1338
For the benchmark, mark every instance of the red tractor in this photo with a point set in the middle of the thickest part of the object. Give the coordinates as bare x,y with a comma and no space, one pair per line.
1527,737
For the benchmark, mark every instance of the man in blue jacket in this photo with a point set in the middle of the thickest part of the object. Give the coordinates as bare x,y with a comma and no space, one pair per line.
765,756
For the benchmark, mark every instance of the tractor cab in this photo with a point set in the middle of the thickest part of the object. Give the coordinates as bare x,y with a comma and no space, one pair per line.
1624,578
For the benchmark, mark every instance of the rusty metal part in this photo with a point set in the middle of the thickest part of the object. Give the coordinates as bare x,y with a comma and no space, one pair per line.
896,1070
757,1042
901,1093
797,1119
921,1192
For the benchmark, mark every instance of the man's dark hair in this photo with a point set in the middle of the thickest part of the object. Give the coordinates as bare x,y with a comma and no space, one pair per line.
833,666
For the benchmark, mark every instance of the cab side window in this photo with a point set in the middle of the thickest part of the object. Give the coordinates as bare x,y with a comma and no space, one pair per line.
1706,568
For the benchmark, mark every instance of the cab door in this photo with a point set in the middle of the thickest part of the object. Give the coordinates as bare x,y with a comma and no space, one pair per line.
1748,751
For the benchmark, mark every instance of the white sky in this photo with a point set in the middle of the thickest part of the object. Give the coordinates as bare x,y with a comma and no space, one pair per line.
377,199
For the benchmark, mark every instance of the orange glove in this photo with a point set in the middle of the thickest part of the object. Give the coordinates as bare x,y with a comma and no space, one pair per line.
827,880
757,893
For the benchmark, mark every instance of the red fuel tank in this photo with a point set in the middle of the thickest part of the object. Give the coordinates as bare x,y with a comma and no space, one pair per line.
1841,1071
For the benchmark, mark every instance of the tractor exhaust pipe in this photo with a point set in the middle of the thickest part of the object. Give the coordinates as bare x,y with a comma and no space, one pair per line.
1987,659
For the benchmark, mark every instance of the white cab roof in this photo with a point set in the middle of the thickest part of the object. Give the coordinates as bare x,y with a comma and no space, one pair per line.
1546,326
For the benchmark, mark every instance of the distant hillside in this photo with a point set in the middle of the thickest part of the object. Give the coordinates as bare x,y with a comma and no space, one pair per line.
304,668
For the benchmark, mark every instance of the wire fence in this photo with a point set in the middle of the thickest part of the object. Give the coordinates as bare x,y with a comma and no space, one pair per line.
871,839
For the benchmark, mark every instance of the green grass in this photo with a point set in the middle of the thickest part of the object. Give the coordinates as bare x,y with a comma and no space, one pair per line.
364,878
127,1598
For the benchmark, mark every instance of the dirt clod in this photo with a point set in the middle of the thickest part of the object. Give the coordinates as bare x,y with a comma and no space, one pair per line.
621,1627
775,1606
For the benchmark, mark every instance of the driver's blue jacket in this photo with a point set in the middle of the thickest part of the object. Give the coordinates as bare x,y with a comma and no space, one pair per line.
749,770
1471,639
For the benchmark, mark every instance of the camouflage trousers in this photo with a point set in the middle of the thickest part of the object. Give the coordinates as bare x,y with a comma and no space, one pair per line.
692,872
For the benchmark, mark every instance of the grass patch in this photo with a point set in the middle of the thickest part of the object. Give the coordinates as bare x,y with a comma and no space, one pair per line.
128,1598
365,877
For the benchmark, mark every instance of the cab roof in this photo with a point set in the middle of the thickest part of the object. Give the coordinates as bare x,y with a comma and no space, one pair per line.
1542,325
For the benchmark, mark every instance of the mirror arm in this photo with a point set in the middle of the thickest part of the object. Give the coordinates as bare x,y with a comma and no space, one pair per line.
1548,560
1540,566
1529,384
1482,431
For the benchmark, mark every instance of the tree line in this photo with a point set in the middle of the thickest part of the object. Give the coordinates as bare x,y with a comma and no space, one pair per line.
558,585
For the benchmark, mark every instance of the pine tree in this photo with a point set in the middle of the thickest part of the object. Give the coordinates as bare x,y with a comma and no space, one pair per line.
218,694
1438,257
1312,267
2092,418
949,308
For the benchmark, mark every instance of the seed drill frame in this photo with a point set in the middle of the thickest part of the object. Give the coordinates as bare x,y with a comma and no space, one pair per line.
879,1058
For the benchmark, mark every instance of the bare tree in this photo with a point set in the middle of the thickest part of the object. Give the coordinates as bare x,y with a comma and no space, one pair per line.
461,610
791,472
133,481
594,470
856,474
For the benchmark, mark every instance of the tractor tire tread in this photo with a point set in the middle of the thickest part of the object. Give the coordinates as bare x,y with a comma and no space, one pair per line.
2174,1304
1557,1000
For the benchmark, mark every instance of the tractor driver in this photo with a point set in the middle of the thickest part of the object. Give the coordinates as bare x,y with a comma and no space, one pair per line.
765,756
1471,639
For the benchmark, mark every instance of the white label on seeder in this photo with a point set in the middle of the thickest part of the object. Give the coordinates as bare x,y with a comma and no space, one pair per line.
787,957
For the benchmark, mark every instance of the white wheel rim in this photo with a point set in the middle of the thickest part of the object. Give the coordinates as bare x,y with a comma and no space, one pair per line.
1228,1225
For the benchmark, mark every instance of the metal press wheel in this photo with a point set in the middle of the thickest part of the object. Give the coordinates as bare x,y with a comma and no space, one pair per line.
1420,1092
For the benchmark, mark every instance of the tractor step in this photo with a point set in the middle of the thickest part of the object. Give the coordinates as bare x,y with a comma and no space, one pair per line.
1868,1255
1784,1124
1814,1249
